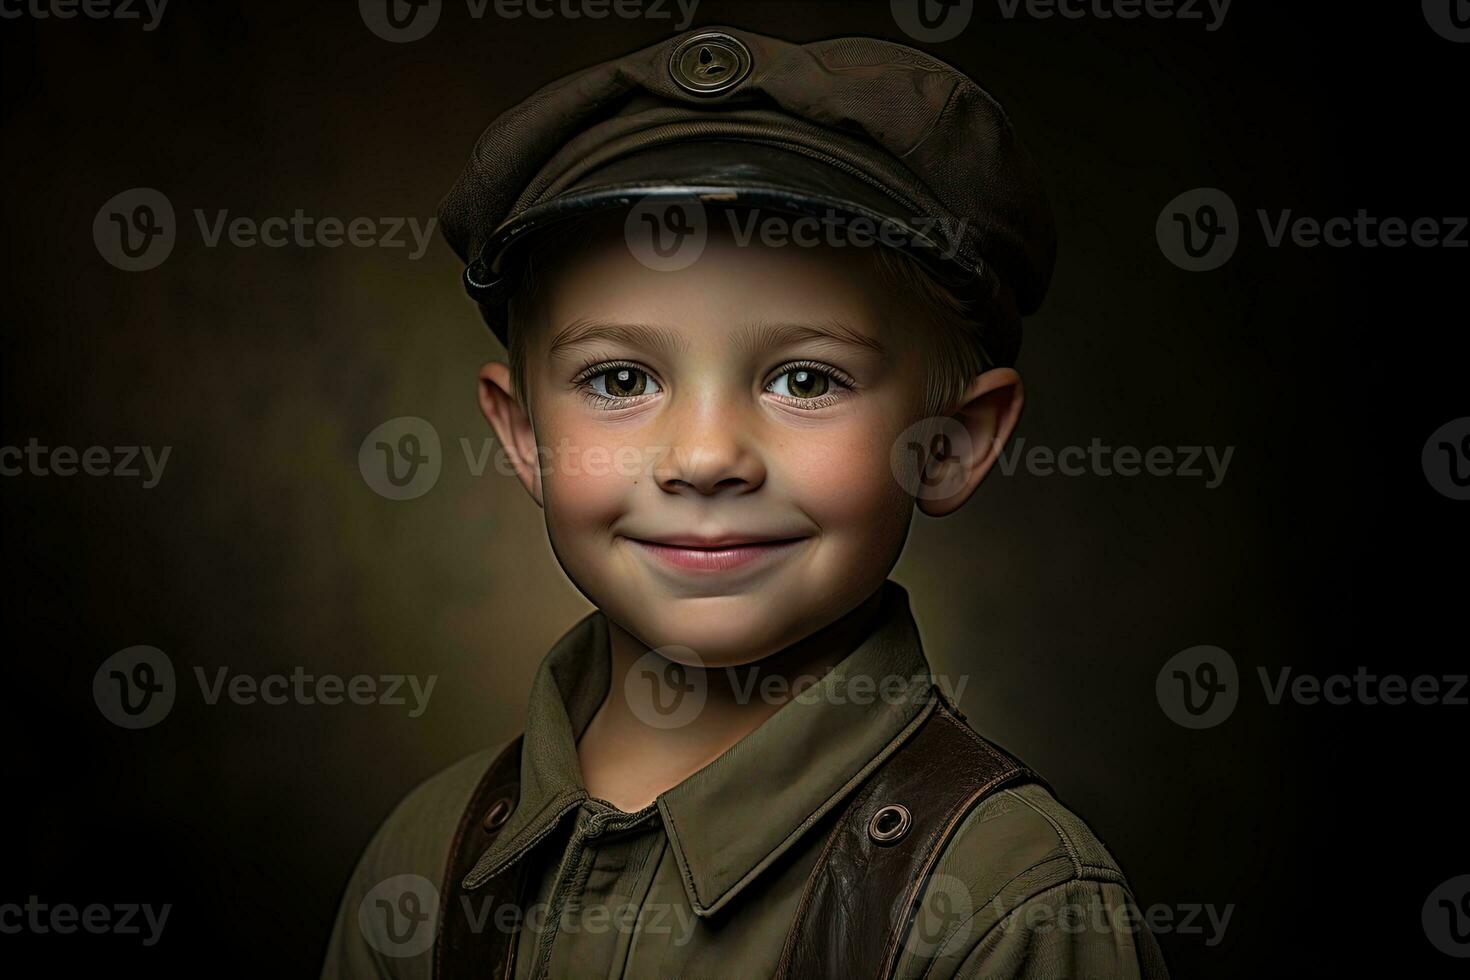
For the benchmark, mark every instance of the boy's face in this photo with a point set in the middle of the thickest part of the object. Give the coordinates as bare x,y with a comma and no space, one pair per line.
714,442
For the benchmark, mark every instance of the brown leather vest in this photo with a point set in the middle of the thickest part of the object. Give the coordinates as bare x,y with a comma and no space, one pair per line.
860,900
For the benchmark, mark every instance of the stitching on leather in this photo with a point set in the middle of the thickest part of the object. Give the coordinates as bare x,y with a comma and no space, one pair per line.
916,893
812,886
974,736
926,714
1009,769
466,817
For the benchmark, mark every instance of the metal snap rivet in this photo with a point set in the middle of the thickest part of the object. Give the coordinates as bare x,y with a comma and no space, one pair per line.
890,824
497,815
710,63
477,276
479,282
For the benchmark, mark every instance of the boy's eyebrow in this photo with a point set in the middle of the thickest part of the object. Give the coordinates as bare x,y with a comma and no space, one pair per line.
755,337
585,330
766,334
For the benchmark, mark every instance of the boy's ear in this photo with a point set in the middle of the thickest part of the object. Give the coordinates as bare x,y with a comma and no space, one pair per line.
987,412
512,425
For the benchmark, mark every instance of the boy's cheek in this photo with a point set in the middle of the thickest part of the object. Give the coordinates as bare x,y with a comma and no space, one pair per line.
842,477
588,484
582,494
587,461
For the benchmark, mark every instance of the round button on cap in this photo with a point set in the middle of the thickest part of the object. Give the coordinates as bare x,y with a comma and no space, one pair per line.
710,63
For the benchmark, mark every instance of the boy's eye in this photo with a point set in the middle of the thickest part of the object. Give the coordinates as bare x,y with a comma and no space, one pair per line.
801,383
623,382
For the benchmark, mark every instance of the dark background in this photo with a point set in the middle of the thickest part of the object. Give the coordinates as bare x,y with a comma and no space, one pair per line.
263,548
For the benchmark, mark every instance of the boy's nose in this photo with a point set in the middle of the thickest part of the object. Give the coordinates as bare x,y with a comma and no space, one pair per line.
709,454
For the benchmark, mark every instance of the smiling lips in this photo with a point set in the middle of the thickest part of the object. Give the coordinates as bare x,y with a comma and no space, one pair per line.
716,556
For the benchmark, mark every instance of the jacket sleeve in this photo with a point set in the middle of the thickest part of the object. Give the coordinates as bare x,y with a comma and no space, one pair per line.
1079,930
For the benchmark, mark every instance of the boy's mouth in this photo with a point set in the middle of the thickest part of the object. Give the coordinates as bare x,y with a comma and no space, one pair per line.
692,553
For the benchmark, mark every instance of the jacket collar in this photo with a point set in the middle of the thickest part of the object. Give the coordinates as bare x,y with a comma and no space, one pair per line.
809,756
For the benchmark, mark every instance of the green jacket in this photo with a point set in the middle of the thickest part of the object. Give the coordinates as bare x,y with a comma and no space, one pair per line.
705,881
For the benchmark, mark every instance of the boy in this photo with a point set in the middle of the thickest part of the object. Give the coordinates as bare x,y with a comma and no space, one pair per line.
760,300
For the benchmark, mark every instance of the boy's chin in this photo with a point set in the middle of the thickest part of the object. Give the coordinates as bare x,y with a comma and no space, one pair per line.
720,633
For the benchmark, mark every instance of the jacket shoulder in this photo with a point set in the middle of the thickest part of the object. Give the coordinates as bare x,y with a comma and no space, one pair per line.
413,840
1023,832
416,835
1019,863
1020,828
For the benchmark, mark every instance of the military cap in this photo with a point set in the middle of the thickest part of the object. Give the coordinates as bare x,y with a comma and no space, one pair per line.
852,127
